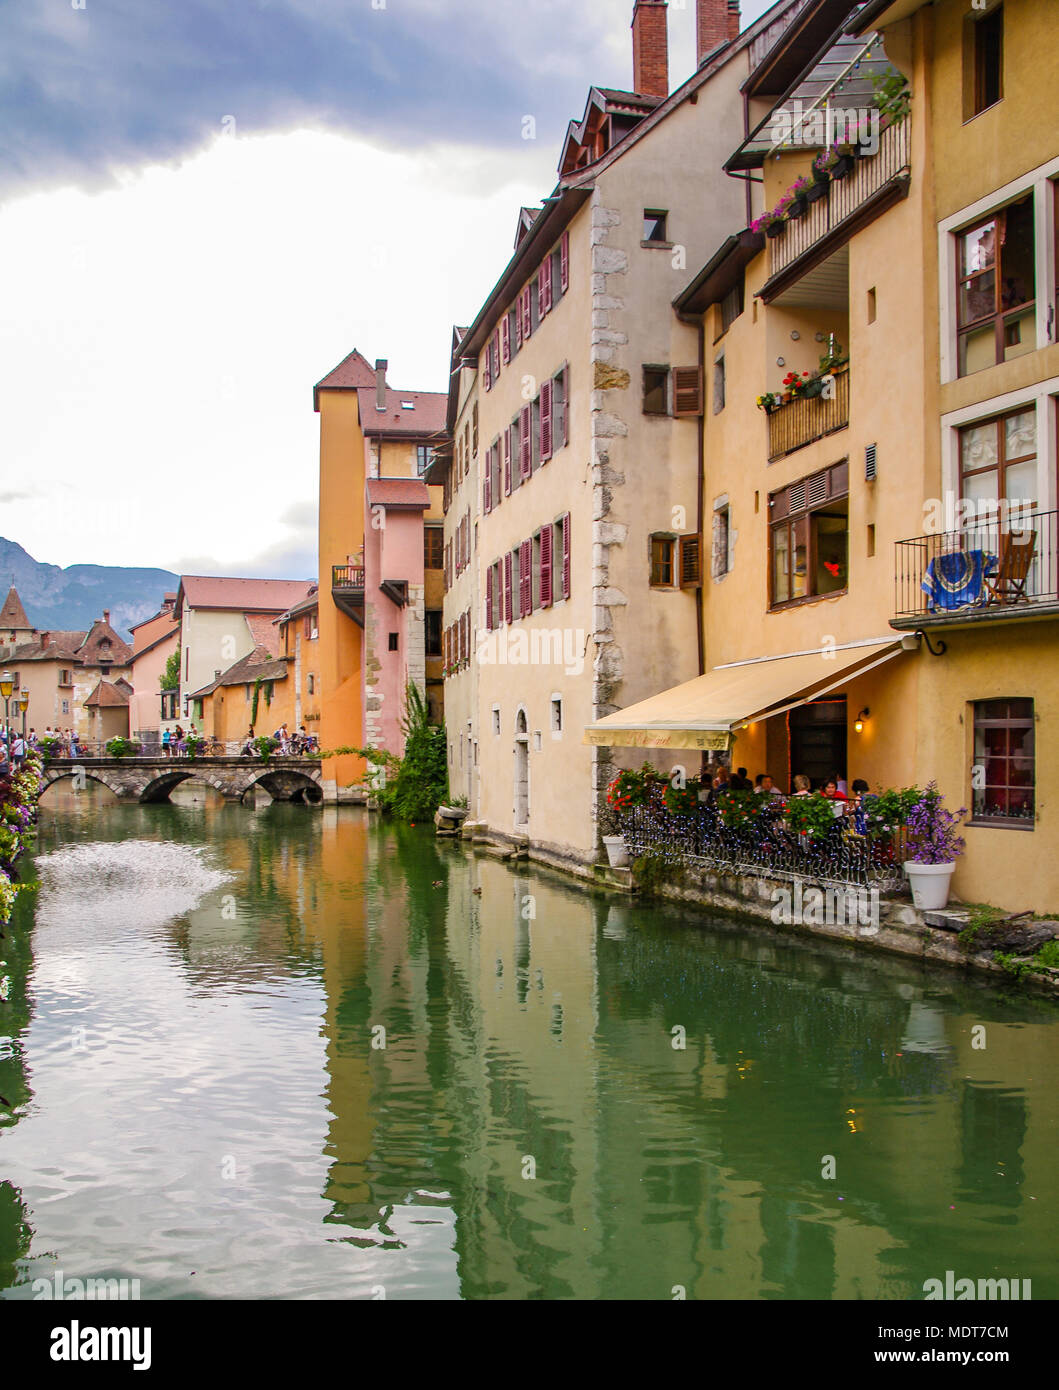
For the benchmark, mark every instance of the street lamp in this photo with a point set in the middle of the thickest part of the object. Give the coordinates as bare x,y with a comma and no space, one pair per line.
7,689
23,704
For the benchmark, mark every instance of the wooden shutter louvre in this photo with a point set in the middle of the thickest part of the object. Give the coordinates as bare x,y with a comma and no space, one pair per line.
687,391
487,481
505,340
564,262
507,587
525,461
546,567
566,403
518,321
546,420
527,314
566,555
507,462
496,355
525,578
690,562
487,380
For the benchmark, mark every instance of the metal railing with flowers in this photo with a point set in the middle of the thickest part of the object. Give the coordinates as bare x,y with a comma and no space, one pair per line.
758,835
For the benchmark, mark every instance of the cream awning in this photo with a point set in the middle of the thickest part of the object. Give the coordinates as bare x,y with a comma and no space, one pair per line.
705,712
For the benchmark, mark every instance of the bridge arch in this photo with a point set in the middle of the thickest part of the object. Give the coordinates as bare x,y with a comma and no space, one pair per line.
288,784
52,775
158,788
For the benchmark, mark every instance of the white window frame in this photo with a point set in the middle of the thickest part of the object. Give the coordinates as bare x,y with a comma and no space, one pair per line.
1042,396
1038,181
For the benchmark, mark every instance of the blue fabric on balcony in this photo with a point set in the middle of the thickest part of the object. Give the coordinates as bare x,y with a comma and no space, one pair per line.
958,580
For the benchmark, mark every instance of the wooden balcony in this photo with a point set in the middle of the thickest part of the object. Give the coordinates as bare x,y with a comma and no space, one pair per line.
347,590
808,418
870,186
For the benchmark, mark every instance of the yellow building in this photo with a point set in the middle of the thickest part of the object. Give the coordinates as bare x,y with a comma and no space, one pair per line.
880,597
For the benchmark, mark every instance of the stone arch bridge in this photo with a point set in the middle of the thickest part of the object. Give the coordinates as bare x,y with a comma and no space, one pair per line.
152,779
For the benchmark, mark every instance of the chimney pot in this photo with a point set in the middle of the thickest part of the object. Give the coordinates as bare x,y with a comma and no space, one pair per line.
650,48
106,616
380,383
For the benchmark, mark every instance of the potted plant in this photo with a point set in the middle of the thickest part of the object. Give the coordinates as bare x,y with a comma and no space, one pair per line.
768,402
933,848
818,187
613,839
771,223
798,193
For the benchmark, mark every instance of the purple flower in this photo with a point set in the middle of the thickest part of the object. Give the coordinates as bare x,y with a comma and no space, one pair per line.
931,830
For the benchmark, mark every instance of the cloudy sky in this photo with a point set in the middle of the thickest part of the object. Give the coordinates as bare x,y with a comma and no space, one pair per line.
205,204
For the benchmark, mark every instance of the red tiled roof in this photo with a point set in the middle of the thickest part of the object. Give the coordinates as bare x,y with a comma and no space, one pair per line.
426,417
260,664
242,595
353,371
59,646
103,644
396,493
13,615
107,696
263,630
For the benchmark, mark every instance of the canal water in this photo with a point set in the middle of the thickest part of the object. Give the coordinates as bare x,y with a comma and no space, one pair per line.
292,1052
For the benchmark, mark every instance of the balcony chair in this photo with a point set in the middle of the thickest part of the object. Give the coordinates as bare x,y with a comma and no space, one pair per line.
1008,584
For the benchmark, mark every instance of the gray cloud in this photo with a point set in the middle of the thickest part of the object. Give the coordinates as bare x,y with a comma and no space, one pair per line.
118,83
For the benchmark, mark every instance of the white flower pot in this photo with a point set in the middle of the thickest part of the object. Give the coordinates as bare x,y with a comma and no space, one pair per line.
930,883
617,851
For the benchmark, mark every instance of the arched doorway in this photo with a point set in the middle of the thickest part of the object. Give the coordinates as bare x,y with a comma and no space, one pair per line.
521,770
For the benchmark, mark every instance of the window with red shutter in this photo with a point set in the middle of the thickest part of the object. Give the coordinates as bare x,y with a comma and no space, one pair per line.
507,462
546,420
505,340
525,578
527,314
546,567
489,598
564,262
566,403
546,286
518,322
507,587
496,355
487,481
525,460
566,555
487,376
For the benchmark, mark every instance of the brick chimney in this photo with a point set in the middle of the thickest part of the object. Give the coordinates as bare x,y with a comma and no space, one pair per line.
716,22
650,48
380,383
106,616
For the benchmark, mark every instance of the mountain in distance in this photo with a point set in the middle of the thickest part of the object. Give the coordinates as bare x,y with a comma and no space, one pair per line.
74,597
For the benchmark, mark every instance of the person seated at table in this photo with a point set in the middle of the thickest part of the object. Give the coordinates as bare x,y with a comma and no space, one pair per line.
802,785
831,791
763,783
740,782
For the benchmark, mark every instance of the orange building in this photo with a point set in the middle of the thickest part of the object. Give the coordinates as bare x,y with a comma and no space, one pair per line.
380,561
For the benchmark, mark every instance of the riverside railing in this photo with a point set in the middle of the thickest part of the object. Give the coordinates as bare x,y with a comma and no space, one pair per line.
767,848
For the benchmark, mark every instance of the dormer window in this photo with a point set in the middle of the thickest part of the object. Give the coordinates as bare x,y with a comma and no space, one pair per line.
408,405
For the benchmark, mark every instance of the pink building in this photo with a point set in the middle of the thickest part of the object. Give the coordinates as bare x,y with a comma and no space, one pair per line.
153,642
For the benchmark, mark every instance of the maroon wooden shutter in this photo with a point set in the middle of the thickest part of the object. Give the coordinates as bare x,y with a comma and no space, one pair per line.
527,314
546,566
505,340
564,262
546,286
487,375
525,462
518,320
496,355
487,481
525,578
546,420
566,555
507,587
566,403
507,462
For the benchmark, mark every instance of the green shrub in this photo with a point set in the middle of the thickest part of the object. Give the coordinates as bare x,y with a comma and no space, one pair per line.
121,747
813,814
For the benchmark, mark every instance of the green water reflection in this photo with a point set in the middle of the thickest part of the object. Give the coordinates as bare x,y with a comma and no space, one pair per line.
202,1100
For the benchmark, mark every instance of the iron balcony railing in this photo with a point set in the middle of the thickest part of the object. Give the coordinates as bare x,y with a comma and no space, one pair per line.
807,418
841,859
844,197
347,576
1002,564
